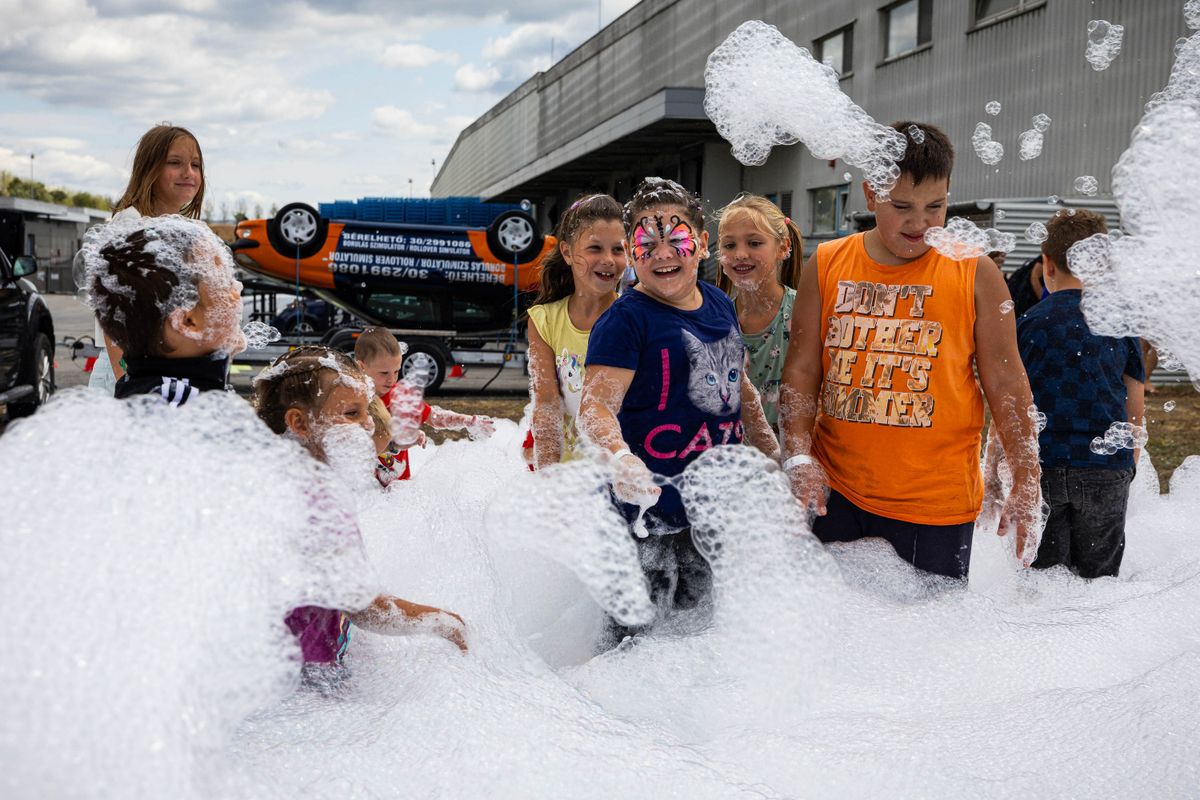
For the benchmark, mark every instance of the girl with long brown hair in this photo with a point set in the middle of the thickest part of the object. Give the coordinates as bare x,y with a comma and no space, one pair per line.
579,283
167,178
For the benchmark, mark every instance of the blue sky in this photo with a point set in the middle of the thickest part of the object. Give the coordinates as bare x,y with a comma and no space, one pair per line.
305,100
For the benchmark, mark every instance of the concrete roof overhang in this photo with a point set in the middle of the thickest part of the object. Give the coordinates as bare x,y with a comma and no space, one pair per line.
663,123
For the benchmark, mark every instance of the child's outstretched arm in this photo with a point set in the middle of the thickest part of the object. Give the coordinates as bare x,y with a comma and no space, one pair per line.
444,419
1007,390
604,390
801,383
547,402
754,420
392,616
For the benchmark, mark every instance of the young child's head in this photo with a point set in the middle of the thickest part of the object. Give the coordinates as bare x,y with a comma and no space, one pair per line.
664,223
380,357
590,253
757,244
308,390
167,175
919,199
163,287
1063,230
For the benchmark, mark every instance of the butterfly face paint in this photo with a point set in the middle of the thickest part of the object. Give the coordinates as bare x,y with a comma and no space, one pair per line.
652,231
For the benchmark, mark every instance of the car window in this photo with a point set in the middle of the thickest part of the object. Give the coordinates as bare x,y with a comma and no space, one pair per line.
403,309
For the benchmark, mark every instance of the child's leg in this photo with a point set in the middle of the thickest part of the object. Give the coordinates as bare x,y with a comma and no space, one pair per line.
1098,521
694,581
938,549
1055,547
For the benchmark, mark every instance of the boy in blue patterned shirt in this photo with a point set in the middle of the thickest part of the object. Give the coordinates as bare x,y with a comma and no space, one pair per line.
1083,383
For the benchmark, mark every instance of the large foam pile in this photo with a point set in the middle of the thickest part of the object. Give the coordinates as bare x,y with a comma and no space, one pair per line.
150,557
153,661
761,90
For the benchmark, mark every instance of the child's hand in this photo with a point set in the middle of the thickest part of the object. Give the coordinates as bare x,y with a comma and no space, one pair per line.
454,632
1022,514
808,482
633,482
480,427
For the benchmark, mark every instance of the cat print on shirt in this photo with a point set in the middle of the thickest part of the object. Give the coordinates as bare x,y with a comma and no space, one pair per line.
570,380
715,378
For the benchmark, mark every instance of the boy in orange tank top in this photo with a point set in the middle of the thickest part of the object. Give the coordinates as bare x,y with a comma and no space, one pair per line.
881,411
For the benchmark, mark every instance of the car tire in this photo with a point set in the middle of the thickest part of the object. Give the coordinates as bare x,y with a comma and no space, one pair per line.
304,326
515,236
297,231
432,357
40,375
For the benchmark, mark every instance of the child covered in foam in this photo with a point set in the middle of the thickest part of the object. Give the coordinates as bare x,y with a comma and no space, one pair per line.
380,356
312,394
665,382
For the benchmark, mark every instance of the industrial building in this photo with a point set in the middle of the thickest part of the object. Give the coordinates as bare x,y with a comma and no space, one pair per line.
629,102
48,231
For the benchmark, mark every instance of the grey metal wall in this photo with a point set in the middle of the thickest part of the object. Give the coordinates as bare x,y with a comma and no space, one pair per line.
1032,63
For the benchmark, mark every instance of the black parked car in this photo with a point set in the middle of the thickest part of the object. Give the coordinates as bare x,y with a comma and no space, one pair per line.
26,340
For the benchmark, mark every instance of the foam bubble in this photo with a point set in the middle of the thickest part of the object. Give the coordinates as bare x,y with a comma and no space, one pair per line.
993,107
1120,436
1036,233
1169,405
761,90
1030,143
259,335
1104,43
1000,214
1087,185
1007,306
989,151
961,238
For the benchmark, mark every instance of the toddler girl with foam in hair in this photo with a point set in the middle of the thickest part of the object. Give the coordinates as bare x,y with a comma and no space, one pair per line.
306,393
666,381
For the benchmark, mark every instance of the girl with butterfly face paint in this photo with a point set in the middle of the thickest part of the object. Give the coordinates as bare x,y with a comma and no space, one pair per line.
665,382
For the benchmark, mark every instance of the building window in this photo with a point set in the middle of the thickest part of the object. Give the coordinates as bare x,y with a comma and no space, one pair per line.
829,209
837,50
906,27
987,11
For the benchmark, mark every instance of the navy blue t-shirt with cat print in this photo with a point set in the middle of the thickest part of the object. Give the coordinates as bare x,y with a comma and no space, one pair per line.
686,391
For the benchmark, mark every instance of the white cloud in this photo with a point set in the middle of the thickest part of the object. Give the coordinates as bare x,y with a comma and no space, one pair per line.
470,78
400,123
75,171
406,55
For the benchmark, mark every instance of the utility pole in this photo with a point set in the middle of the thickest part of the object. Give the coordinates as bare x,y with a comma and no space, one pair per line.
599,23
31,169
410,188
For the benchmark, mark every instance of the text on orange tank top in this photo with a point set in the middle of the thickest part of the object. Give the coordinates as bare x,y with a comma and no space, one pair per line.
898,430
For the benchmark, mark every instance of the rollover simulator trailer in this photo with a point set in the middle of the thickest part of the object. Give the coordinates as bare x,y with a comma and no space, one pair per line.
452,290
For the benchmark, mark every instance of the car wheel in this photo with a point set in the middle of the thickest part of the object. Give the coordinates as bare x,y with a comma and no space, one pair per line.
422,357
297,230
41,376
515,236
303,326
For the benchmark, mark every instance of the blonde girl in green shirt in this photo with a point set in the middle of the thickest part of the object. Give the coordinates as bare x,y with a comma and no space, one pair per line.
761,252
579,282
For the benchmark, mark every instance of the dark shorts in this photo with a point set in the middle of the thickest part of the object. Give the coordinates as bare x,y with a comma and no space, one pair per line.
939,549
1085,531
677,578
